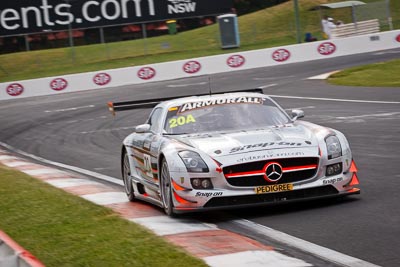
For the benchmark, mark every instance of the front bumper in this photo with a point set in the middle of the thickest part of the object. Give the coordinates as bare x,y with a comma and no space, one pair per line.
242,201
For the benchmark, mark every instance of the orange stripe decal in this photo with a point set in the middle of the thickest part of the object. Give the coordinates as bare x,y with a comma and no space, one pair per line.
305,167
181,199
177,187
230,175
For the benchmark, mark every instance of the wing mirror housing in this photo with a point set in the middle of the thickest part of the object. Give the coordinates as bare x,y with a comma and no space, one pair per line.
297,114
143,128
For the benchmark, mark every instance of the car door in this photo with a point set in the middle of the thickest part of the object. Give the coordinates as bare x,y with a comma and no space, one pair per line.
151,143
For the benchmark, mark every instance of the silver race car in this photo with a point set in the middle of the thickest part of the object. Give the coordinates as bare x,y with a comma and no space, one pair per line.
231,150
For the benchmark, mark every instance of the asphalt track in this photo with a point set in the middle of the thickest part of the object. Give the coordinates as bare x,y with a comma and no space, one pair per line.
77,130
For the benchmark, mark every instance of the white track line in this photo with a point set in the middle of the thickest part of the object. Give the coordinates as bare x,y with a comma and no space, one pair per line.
387,52
45,170
268,85
272,78
335,99
14,164
323,76
7,157
255,258
316,250
163,225
107,198
69,109
390,114
69,182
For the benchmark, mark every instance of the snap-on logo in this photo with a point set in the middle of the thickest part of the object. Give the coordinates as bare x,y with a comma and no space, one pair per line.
146,73
398,38
326,48
15,89
58,84
235,61
192,67
102,79
281,55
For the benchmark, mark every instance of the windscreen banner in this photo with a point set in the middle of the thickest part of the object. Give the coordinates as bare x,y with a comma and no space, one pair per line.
34,16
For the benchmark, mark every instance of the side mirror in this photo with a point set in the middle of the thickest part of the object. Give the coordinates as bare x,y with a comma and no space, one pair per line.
297,114
143,128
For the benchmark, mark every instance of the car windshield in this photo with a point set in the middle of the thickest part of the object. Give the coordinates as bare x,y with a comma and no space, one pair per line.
223,114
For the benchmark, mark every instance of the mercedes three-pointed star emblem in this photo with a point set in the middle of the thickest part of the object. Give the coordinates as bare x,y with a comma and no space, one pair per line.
273,172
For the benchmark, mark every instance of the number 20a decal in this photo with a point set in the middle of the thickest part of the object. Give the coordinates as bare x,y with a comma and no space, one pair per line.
181,120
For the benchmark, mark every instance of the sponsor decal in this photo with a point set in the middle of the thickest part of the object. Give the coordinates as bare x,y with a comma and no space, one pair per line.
326,48
398,38
263,145
281,55
58,84
181,120
15,89
269,156
273,188
332,181
209,194
146,73
191,67
33,16
221,101
235,61
102,79
53,14
181,6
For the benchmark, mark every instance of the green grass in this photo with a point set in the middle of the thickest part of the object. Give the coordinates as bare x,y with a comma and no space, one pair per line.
266,28
383,74
64,230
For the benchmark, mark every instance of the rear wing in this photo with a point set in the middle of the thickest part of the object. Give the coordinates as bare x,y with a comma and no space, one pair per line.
150,103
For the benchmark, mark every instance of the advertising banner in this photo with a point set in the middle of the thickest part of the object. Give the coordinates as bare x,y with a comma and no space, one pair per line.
33,16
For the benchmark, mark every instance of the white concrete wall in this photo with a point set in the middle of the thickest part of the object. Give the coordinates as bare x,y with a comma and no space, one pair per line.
200,66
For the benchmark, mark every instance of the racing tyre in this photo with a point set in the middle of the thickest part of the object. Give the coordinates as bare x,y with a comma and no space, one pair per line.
126,175
166,190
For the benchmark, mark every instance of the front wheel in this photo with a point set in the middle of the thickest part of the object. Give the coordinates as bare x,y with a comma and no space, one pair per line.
126,176
166,190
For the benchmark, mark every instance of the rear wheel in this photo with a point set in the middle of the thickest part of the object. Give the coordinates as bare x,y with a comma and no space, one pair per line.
126,175
166,189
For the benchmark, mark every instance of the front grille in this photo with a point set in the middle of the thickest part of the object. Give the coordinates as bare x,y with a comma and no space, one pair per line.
272,197
259,166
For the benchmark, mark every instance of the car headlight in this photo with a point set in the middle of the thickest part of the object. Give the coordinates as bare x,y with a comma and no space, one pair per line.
333,146
193,161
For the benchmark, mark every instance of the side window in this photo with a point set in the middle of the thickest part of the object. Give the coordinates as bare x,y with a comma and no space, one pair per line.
154,120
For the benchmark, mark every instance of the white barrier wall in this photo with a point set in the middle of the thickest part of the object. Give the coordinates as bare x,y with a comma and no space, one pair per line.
200,66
